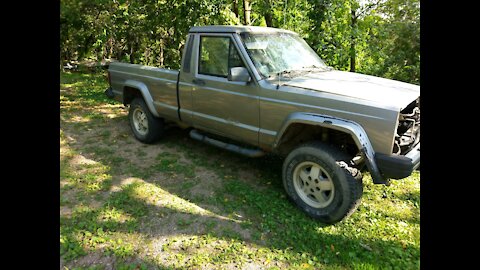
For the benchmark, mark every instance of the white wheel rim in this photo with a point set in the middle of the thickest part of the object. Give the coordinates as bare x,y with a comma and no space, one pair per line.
140,121
313,184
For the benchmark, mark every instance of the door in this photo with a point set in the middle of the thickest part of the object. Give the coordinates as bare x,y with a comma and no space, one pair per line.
220,106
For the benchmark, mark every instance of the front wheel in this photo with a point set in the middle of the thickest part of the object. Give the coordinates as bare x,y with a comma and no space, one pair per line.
145,126
318,179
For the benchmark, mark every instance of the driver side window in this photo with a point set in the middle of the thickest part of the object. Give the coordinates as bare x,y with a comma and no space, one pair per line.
217,56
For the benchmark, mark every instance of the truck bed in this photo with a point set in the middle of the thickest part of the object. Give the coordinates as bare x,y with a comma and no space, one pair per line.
161,84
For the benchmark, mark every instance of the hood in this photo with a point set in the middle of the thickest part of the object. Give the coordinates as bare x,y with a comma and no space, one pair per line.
384,91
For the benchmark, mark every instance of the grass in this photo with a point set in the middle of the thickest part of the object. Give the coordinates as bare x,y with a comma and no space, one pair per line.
182,204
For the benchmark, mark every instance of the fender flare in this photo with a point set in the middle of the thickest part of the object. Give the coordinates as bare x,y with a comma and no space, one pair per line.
145,94
356,131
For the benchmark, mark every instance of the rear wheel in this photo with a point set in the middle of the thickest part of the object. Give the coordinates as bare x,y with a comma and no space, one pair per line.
319,180
145,126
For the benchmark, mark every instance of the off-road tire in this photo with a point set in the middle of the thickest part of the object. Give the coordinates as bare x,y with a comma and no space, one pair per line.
341,183
145,126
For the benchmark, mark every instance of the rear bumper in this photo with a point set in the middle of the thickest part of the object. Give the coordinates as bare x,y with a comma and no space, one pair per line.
398,167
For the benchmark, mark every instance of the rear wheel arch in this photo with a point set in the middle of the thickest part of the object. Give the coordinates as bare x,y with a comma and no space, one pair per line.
130,93
135,89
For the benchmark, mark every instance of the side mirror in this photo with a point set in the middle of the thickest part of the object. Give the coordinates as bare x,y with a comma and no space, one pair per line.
238,74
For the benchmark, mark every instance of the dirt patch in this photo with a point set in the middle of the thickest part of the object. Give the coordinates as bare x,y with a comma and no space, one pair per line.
250,176
81,160
93,258
167,223
65,211
69,196
208,182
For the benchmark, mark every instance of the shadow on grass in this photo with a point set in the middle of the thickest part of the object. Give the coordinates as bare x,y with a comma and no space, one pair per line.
304,238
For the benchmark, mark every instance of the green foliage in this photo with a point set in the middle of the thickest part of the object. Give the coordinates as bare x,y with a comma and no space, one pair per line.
392,46
330,36
380,37
146,32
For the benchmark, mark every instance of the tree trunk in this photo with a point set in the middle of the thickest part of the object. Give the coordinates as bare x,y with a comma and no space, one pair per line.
268,14
118,50
87,44
160,57
246,11
235,8
132,53
353,53
110,41
131,48
352,57
268,19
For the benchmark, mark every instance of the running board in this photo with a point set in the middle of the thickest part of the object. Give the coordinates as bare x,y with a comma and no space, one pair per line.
194,134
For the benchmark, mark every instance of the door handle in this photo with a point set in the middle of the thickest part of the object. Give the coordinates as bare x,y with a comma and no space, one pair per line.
198,82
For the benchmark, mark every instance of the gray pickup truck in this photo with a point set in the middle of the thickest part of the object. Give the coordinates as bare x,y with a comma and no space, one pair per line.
266,90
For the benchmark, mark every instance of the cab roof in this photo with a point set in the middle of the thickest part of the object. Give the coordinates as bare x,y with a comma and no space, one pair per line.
237,29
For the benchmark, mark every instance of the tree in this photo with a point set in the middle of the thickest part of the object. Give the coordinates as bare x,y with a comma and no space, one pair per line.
378,37
246,11
235,8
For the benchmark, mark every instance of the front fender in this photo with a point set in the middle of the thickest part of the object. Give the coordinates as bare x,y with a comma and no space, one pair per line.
356,131
145,94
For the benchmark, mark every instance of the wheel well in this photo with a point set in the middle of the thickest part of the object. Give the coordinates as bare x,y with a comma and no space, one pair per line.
298,133
129,93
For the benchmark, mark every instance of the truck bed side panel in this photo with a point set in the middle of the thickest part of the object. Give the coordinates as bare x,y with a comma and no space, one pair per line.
161,83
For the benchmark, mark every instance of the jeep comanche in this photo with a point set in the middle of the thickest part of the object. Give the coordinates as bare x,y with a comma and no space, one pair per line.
266,90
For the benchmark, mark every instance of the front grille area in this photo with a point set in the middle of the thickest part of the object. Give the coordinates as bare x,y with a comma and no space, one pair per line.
408,130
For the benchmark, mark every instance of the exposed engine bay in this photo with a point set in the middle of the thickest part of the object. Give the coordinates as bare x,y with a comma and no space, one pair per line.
408,130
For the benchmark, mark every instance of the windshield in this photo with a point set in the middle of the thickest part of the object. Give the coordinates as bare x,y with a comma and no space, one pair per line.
281,54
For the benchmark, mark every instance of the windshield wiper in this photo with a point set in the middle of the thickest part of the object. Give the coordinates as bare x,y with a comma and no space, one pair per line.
288,73
311,66
280,74
317,67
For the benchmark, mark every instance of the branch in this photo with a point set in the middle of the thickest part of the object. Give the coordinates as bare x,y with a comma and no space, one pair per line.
368,7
